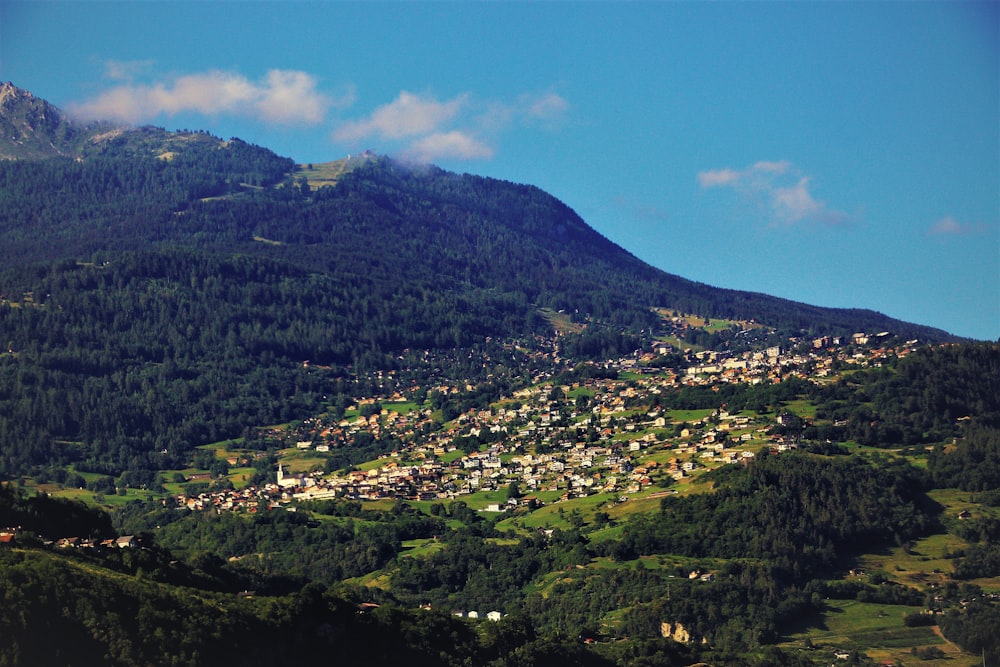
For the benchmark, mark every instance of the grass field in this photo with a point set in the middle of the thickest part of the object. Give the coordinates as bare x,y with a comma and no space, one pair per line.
295,461
326,173
558,514
802,408
420,548
482,499
561,322
878,631
689,416
402,407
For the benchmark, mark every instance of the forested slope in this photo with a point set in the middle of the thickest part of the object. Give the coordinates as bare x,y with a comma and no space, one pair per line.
163,290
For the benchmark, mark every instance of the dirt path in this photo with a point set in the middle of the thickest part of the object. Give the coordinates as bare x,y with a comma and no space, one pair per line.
953,646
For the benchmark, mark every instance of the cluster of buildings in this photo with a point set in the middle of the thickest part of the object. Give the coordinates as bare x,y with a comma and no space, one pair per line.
12,534
591,436
816,358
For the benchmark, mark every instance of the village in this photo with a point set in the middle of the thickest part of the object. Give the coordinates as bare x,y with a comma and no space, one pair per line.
557,442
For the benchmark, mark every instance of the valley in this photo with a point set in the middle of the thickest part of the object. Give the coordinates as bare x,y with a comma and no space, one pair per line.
406,416
583,452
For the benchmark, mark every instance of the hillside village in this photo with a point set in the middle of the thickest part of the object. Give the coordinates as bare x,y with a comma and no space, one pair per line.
561,441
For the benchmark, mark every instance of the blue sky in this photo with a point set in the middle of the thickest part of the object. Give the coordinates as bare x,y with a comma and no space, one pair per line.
839,154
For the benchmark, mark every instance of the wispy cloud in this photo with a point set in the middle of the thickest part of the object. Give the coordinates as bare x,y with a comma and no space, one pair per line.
406,116
285,97
548,106
416,126
450,145
778,188
718,177
423,128
949,226
126,70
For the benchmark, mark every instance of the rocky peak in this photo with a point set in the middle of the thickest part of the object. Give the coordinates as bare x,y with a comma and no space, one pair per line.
32,128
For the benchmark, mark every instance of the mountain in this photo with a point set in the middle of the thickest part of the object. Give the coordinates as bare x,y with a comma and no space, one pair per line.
475,231
161,290
31,128
176,310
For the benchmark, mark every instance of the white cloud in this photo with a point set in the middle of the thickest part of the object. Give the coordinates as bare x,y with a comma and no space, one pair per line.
795,203
718,177
776,187
125,70
544,107
766,167
949,226
448,145
424,128
291,94
408,115
283,97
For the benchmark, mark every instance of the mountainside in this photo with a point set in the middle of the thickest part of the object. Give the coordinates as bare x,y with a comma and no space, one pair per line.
162,290
449,228
406,416
140,606
31,128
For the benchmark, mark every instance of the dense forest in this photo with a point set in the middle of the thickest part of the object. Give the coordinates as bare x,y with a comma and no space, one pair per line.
97,618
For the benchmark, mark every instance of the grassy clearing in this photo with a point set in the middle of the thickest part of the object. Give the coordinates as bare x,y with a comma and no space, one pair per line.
421,548
708,324
402,407
295,461
373,465
240,477
646,505
876,630
424,505
224,448
928,560
482,499
322,174
383,505
955,501
558,514
802,408
919,565
88,497
449,457
561,322
378,579
612,532
689,416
